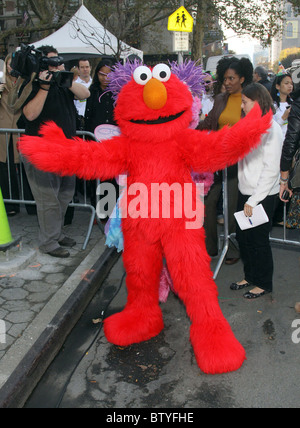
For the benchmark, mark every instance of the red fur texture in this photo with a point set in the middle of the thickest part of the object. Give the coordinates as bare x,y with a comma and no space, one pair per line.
159,153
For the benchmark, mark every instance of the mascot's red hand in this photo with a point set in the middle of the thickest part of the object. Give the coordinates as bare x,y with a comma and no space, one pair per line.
213,151
87,159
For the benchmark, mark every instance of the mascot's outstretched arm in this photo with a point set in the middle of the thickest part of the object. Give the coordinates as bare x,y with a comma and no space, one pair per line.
87,159
213,151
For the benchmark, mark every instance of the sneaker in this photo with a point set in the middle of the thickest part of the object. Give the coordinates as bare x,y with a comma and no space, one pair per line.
67,242
59,252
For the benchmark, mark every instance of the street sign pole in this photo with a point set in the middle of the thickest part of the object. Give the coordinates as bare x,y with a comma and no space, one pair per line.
180,54
181,24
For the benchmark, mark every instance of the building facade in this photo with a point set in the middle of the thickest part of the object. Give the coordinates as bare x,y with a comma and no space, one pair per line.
155,40
290,37
17,14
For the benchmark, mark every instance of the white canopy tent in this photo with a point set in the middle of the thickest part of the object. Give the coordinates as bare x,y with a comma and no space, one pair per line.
83,36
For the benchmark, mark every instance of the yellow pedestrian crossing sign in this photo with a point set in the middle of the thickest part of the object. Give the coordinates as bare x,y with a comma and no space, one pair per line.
180,20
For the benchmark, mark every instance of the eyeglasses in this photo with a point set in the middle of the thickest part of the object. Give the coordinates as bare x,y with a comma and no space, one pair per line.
103,74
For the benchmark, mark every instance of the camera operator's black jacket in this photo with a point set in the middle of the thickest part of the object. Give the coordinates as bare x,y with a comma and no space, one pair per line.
59,107
292,139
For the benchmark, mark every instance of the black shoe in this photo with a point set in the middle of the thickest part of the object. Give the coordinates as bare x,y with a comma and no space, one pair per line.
235,286
231,260
12,213
67,242
59,252
278,224
250,295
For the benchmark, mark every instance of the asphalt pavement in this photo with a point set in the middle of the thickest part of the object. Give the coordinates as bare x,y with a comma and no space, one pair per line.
43,298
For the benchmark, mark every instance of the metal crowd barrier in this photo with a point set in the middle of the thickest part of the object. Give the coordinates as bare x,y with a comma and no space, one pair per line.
22,200
227,237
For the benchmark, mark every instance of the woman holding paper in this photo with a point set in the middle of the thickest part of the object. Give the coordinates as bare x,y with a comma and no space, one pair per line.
258,177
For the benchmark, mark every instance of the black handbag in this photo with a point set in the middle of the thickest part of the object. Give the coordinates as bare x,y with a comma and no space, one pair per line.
294,177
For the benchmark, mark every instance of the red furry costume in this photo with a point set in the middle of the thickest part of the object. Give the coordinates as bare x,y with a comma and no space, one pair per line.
153,111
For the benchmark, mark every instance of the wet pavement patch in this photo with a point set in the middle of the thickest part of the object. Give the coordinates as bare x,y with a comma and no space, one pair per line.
210,395
269,329
140,363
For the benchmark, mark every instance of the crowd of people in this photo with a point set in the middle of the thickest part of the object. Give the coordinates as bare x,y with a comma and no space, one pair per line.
259,178
262,175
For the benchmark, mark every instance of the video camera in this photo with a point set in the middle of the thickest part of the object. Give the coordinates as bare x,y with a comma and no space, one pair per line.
29,60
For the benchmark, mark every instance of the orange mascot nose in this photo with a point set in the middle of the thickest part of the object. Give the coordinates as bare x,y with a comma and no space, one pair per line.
155,94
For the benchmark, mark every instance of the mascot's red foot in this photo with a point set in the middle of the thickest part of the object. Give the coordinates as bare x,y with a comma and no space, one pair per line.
133,325
216,348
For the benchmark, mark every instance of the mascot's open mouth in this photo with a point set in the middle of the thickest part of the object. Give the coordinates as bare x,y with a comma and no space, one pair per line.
157,121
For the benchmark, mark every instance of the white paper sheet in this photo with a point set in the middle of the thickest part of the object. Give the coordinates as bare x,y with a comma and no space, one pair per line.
259,217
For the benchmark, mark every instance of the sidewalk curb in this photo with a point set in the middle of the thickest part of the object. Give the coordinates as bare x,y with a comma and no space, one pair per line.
31,368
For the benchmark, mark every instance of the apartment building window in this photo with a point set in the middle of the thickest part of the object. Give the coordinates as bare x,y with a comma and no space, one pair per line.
292,30
73,4
9,6
1,8
289,11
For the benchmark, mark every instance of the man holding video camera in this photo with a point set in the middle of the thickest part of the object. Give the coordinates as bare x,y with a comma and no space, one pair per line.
52,99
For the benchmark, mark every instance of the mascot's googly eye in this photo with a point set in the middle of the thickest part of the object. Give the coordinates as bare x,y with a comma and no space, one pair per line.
161,72
142,75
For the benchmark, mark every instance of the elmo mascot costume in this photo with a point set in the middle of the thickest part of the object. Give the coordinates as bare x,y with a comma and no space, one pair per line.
157,147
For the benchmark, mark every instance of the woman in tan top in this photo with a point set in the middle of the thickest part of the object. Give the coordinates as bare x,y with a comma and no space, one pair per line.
10,112
8,119
233,74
